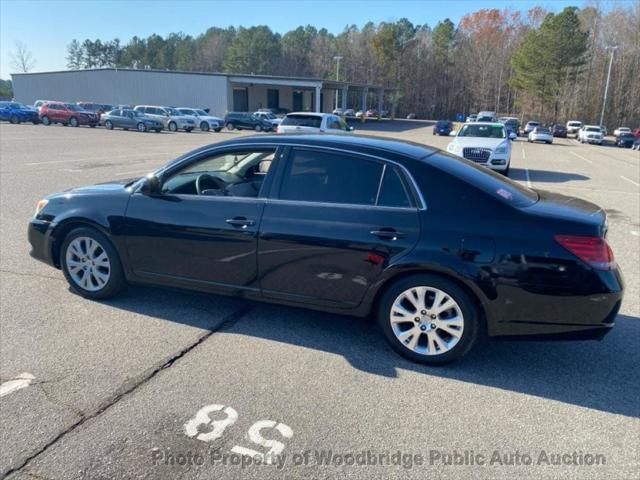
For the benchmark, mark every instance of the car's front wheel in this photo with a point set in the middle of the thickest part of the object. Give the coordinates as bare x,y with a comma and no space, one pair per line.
204,126
46,120
91,264
108,125
142,127
258,128
173,126
73,121
14,119
428,319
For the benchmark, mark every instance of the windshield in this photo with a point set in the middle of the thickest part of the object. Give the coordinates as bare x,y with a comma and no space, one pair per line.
136,113
592,129
71,106
173,111
16,105
202,113
482,131
542,130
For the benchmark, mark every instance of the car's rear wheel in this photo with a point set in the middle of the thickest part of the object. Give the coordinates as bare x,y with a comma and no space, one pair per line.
230,126
173,126
258,128
46,120
428,319
141,127
108,125
91,264
204,126
14,119
73,121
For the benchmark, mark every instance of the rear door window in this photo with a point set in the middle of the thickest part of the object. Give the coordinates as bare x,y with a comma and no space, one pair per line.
393,190
316,176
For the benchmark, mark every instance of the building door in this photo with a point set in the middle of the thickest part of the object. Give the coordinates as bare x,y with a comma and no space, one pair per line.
273,98
298,98
240,100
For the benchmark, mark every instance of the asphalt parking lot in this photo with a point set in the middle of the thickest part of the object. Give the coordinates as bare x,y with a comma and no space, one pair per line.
119,385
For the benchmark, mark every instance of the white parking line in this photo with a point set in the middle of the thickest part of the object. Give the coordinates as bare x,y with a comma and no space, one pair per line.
580,156
526,172
629,180
21,381
635,233
523,155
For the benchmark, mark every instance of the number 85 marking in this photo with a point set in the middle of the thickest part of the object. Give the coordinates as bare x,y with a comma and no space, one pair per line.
218,427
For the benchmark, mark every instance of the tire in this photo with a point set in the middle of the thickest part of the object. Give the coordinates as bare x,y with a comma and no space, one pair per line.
425,333
78,263
14,119
73,121
141,127
217,130
108,125
93,125
188,130
46,120
158,130
258,128
505,172
35,122
173,126
204,126
230,126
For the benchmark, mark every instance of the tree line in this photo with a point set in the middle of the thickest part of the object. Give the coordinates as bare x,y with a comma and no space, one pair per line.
551,66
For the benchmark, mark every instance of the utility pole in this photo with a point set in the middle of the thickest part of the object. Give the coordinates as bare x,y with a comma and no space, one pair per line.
337,58
606,87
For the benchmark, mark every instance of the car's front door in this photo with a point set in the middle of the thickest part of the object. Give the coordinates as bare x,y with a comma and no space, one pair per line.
201,231
337,220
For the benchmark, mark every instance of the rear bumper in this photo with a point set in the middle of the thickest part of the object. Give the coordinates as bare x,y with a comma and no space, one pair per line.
41,240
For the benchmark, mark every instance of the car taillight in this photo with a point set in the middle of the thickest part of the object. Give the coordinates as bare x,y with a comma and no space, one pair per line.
594,251
278,129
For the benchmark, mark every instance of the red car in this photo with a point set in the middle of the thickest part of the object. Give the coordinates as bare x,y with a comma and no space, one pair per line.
636,132
66,114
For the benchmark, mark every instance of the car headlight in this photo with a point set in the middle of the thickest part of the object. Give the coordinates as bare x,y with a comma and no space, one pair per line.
453,148
40,205
502,149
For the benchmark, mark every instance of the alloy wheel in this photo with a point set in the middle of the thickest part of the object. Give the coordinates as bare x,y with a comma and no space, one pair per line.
426,320
88,264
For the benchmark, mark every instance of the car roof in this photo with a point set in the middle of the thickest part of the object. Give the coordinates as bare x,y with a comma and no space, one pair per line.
358,143
312,114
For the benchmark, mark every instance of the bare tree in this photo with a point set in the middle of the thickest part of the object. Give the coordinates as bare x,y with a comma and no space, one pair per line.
21,58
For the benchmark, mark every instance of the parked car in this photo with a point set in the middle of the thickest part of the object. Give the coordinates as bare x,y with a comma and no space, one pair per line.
407,221
269,117
339,111
621,130
304,122
349,112
573,127
635,132
360,114
372,112
38,103
558,130
512,123
169,117
486,116
484,143
472,118
246,121
540,134
66,114
97,108
443,127
590,134
411,116
14,112
528,128
130,119
276,110
625,140
205,121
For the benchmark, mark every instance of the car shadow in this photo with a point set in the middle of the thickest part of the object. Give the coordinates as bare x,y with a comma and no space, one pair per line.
545,176
597,375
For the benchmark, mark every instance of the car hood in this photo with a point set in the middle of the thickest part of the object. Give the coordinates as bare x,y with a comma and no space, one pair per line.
478,142
115,186
211,117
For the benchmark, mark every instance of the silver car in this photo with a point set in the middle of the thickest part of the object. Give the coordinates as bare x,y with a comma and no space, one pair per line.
170,117
206,122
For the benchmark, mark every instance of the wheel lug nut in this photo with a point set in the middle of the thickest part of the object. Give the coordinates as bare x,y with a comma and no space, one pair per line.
423,328
423,312
433,317
433,326
417,319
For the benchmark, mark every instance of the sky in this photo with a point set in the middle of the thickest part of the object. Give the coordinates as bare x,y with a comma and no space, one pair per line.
47,27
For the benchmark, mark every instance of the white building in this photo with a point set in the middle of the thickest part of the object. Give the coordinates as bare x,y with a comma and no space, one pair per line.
219,92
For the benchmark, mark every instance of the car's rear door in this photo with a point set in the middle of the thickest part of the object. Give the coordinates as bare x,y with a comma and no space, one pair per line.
335,221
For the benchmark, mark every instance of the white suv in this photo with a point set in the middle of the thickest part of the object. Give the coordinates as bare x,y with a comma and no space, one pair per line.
485,143
206,122
590,134
305,122
170,117
573,127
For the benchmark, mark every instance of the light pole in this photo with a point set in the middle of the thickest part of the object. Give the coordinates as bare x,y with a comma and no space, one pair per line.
337,58
606,86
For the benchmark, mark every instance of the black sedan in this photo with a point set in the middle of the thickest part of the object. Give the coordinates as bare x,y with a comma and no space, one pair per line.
438,249
130,119
558,130
625,140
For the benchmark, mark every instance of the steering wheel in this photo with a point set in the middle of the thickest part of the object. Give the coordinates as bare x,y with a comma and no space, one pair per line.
206,181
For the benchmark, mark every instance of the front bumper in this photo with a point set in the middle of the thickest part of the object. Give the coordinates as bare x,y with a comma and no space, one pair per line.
40,237
593,140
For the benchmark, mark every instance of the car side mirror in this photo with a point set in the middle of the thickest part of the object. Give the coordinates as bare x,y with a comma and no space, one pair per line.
150,185
512,136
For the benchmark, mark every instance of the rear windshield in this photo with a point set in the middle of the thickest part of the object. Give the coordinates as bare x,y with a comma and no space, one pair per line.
574,124
302,120
442,123
485,179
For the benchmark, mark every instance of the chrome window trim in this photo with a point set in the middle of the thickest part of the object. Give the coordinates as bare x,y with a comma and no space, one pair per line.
414,184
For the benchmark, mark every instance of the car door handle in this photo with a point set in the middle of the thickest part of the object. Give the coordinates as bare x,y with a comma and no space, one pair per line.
241,222
388,234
